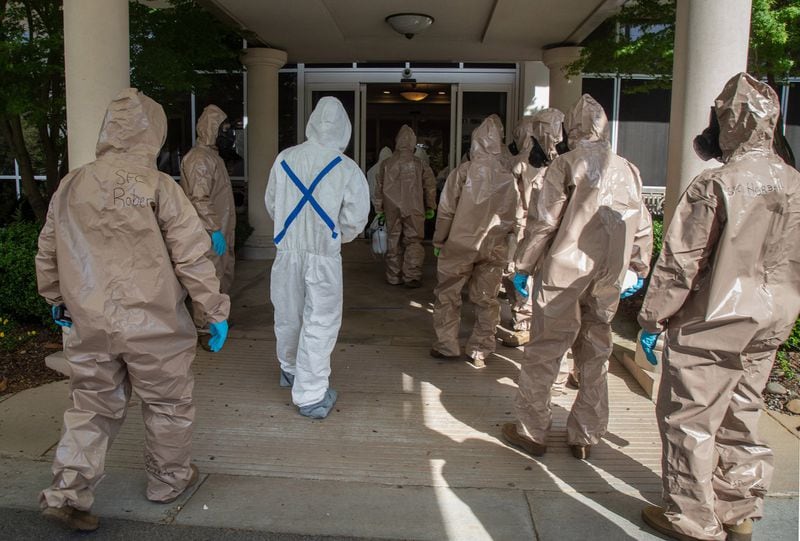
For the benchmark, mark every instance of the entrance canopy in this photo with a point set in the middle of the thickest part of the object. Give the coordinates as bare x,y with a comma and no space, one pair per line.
356,31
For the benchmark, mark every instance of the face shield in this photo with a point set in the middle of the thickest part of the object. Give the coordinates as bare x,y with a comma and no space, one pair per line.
706,145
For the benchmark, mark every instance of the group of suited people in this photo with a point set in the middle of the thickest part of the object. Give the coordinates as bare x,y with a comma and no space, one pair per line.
725,289
123,245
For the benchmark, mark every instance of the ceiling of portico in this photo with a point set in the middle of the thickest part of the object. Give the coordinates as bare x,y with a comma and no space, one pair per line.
464,30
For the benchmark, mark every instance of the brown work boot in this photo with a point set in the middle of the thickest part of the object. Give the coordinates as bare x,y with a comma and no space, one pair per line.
581,452
436,354
654,517
740,532
192,480
513,437
71,518
573,382
516,339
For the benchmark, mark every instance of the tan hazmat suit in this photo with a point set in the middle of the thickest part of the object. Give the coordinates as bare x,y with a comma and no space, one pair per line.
120,247
476,213
205,180
545,126
588,227
726,289
405,189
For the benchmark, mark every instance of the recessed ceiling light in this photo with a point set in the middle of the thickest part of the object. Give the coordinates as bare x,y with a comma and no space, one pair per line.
441,92
386,92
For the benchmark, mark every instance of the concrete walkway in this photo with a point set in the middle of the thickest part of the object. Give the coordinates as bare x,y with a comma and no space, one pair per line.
411,452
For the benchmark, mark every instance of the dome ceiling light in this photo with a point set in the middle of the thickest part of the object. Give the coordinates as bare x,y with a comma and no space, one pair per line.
409,24
414,95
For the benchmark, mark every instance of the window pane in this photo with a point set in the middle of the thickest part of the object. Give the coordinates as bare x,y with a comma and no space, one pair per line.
179,133
643,131
793,119
287,110
602,90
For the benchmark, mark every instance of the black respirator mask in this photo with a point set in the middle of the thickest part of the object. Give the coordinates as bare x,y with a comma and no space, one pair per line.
512,148
226,139
563,146
706,145
537,158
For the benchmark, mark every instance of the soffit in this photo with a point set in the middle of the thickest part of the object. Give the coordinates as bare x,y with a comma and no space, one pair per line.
464,30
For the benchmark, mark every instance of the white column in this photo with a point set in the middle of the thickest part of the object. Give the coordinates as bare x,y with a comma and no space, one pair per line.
262,143
535,91
711,41
97,68
564,90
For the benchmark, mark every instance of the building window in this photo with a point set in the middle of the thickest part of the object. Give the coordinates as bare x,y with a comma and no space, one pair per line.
287,110
643,130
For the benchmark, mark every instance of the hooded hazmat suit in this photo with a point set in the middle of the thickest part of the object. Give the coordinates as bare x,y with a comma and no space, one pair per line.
372,172
406,188
476,213
726,289
120,244
589,226
306,286
545,127
205,180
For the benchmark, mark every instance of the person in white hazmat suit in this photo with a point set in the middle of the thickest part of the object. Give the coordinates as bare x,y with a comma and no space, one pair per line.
318,199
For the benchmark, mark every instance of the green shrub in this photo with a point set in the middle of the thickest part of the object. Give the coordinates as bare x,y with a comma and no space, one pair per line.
658,236
793,342
19,297
12,336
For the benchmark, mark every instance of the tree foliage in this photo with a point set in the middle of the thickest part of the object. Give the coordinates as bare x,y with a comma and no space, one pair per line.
172,48
640,40
169,50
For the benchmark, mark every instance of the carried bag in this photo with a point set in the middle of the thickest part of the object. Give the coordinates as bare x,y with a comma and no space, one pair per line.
379,236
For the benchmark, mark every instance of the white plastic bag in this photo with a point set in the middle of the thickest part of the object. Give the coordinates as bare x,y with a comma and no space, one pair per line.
379,236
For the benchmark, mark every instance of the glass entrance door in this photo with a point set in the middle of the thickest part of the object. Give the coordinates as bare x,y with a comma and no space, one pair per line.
475,103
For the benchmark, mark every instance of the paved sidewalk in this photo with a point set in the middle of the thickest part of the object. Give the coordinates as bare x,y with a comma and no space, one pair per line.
411,452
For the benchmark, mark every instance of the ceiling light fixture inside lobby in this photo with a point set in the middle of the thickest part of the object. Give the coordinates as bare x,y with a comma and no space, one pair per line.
409,24
413,95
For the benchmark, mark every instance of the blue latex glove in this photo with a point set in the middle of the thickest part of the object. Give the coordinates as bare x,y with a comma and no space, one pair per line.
219,332
437,251
521,284
633,289
429,214
60,322
648,341
218,242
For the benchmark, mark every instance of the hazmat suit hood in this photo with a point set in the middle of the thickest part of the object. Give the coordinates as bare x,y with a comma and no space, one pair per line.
523,133
586,121
135,126
208,125
406,140
748,112
487,140
329,125
546,127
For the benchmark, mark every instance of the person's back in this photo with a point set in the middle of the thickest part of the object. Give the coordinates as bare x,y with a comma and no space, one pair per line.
318,199
107,217
479,202
591,205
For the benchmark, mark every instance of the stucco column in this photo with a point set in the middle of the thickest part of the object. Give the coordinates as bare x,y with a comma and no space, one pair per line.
535,87
262,143
711,41
97,68
564,90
